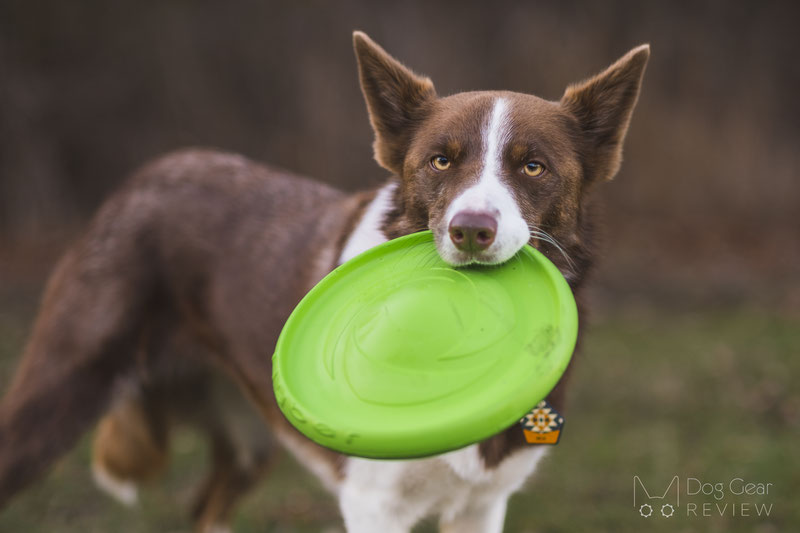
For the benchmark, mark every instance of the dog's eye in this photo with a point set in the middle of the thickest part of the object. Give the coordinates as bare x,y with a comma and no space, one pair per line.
533,169
440,162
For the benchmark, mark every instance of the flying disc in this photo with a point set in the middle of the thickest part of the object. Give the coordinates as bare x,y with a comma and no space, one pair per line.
396,354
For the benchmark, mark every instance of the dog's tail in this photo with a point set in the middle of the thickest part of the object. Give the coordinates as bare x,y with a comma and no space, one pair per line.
82,342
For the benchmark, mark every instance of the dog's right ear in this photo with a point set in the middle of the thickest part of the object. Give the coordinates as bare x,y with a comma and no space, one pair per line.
396,100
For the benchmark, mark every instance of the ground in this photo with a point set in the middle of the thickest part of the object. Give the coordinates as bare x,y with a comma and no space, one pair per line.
708,393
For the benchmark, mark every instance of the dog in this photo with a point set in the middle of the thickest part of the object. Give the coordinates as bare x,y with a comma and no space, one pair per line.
170,305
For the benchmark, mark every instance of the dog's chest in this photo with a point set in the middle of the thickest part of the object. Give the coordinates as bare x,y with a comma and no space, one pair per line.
446,485
367,233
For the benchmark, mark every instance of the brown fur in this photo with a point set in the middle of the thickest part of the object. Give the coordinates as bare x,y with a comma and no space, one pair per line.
184,246
191,269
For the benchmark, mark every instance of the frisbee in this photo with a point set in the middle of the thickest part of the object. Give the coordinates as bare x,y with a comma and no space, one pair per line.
396,354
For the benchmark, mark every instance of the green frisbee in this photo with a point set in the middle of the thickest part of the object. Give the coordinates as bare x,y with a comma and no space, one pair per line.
396,354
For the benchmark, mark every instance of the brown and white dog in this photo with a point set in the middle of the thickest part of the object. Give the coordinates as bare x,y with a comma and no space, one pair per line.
190,271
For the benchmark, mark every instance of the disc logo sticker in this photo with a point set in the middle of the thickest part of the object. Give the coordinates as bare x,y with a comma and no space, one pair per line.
542,425
663,504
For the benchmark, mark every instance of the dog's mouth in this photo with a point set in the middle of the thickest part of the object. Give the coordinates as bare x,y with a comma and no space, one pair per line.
462,259
478,237
494,254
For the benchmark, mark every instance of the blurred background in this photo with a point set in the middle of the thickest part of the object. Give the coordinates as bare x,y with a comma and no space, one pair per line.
691,358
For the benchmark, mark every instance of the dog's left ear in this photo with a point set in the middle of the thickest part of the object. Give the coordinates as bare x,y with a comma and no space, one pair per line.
603,106
396,100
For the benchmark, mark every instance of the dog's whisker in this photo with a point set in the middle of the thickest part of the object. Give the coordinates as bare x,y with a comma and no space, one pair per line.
542,235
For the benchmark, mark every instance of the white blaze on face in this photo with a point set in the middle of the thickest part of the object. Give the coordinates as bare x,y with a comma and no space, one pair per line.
490,196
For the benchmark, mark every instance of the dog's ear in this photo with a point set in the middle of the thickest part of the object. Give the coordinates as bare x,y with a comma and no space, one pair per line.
603,106
396,100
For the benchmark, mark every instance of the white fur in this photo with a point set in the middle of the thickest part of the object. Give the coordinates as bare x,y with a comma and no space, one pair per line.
378,496
489,196
124,491
392,496
368,231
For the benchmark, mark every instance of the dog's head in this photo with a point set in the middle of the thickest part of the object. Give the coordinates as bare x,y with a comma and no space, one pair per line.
490,171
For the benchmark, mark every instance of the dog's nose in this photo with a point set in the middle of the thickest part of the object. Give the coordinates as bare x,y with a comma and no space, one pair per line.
472,232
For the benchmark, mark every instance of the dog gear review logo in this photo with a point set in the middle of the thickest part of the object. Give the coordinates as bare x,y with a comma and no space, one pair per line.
738,497
648,504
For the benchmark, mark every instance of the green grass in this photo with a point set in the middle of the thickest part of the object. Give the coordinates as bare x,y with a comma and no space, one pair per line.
709,394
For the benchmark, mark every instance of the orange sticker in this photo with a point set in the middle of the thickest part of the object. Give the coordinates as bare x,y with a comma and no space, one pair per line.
542,425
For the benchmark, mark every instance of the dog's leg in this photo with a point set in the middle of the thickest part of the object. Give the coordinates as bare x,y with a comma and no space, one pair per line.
387,496
234,472
484,517
82,341
130,447
242,451
371,511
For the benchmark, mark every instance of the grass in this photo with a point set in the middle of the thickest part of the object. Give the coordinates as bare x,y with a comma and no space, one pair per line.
708,394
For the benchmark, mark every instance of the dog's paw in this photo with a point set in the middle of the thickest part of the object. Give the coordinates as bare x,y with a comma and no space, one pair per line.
124,491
